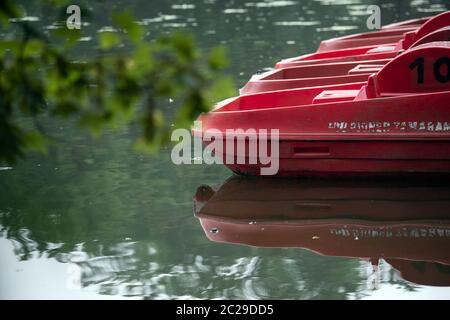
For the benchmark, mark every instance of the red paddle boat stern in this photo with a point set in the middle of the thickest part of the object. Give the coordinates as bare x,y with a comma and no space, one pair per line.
397,122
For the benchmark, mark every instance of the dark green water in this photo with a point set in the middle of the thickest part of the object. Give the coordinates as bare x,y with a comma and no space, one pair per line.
95,220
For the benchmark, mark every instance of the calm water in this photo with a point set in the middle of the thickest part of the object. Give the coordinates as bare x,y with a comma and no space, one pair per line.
95,220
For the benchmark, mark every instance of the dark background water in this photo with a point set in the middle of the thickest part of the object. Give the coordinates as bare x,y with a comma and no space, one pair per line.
96,220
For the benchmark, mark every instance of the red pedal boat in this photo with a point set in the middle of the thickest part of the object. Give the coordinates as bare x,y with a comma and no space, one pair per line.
328,72
388,34
396,123
313,75
402,222
386,43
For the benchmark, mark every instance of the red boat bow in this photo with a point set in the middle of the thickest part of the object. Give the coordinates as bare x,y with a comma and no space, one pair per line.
366,117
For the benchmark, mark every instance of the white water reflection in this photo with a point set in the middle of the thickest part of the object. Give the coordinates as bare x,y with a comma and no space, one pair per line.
387,291
127,274
271,4
184,6
337,2
234,11
296,23
337,28
434,8
25,19
160,18
39,278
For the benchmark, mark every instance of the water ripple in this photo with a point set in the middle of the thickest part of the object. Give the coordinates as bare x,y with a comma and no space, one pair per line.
296,23
271,4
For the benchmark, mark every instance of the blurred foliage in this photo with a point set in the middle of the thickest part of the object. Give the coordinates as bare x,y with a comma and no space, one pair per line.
128,81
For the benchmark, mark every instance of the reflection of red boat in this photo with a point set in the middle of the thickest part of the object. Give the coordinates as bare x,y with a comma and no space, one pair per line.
401,222
397,123
386,43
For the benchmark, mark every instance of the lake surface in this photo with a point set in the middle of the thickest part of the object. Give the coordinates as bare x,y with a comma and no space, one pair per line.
96,220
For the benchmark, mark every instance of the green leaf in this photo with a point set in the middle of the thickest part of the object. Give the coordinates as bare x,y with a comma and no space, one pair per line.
136,33
158,118
222,88
34,140
218,58
34,48
9,46
93,122
184,46
106,89
109,40
142,59
125,21
7,11
142,145
71,36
